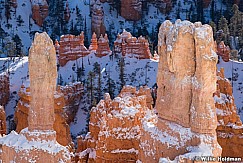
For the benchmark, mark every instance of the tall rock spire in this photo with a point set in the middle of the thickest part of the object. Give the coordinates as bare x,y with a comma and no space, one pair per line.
43,74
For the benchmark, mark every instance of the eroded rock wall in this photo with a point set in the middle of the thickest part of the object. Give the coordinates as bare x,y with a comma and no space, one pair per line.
39,11
230,128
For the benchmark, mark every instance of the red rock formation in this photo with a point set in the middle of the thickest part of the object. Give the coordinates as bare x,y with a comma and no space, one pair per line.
39,11
131,46
3,129
71,48
4,89
230,128
94,44
223,51
115,128
37,143
97,19
125,129
186,111
103,46
131,9
66,100
67,12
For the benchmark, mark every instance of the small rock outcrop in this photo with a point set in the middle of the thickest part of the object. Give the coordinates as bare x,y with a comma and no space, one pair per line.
97,19
127,45
94,44
103,46
37,143
3,129
131,9
39,11
70,48
223,51
4,89
230,128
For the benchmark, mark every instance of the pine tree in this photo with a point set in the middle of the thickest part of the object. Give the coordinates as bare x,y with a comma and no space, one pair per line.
223,25
122,73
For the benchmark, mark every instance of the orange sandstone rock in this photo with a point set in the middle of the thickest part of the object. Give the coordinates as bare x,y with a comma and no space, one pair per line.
94,43
230,128
130,46
71,48
186,82
37,143
3,128
103,46
66,100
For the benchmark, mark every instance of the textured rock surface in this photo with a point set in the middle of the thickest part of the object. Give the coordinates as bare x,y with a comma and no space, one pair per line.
65,107
39,11
94,43
97,19
37,143
4,89
126,44
115,128
230,128
223,51
163,5
71,48
131,9
103,46
3,128
186,82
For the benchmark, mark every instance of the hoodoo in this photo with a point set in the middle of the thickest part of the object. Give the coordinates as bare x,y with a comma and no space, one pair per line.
38,142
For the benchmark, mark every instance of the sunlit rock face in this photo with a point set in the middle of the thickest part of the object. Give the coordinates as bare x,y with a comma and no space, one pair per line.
37,143
3,129
230,128
186,82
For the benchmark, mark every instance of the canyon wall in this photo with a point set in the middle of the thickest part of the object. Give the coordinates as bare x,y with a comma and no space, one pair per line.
230,128
131,9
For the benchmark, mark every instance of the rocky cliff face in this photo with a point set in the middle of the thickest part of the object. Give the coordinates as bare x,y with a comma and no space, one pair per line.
126,44
191,113
3,129
37,143
97,19
230,128
103,46
66,100
4,89
39,11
